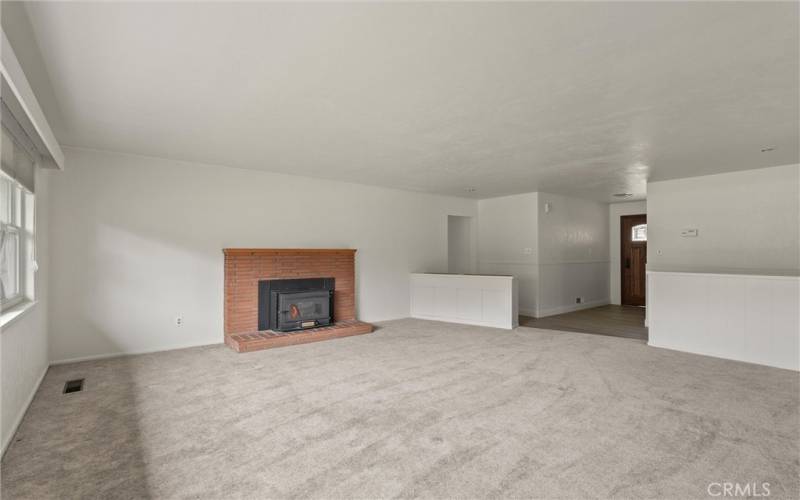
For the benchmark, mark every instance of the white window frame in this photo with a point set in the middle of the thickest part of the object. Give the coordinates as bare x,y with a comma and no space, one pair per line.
16,225
634,230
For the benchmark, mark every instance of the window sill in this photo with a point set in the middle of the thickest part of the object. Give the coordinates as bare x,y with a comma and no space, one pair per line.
10,315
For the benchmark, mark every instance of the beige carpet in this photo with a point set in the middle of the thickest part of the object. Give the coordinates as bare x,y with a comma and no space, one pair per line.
417,409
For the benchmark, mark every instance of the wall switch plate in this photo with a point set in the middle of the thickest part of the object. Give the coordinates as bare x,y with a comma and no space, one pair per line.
527,251
689,233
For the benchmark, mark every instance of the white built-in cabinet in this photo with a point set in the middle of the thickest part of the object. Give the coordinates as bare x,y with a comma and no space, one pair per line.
470,299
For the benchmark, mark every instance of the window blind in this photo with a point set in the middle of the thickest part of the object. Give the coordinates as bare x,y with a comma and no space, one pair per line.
18,152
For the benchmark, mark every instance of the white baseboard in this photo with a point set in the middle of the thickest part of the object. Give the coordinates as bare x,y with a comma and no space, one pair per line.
738,360
465,322
385,320
110,355
22,412
570,308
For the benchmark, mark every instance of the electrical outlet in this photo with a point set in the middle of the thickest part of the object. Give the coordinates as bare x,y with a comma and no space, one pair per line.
579,300
179,320
689,233
527,251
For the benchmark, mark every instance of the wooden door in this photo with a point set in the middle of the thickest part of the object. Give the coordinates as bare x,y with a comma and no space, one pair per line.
633,231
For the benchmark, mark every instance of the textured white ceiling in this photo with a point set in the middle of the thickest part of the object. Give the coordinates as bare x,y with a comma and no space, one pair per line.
586,99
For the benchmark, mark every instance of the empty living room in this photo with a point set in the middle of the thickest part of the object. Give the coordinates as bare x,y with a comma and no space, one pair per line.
369,250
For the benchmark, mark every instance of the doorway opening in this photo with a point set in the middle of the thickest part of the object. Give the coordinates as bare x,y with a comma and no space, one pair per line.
611,320
633,259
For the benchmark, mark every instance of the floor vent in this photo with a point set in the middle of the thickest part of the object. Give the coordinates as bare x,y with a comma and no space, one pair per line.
73,386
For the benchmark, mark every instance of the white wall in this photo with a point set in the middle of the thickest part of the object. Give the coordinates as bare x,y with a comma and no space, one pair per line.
23,343
747,222
507,243
137,241
615,211
573,254
556,256
460,244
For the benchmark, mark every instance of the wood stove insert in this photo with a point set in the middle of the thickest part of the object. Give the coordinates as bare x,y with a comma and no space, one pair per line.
285,305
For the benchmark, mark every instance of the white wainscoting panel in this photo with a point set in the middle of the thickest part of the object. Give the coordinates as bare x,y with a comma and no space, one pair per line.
471,299
735,316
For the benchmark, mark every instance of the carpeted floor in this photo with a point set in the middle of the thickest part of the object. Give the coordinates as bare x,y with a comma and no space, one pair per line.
417,409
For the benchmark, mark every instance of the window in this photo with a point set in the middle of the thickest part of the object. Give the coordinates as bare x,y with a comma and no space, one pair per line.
639,233
27,144
16,230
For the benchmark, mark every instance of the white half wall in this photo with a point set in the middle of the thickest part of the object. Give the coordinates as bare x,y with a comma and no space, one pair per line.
734,316
23,343
137,241
615,211
473,300
747,222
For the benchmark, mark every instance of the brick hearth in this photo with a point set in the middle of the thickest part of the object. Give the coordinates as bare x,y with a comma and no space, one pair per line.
244,267
254,341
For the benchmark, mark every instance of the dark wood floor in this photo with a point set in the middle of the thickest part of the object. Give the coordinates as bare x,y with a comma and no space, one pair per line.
615,321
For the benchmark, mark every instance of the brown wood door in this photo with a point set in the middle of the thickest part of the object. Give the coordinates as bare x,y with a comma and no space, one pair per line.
633,231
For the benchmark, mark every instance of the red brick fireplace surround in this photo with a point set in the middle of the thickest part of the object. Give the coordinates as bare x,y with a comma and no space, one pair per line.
244,267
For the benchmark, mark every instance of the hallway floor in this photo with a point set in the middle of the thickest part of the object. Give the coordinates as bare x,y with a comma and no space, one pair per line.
615,321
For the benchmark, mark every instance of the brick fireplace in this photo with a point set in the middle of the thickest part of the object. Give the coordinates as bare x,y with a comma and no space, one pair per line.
245,268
